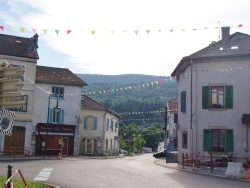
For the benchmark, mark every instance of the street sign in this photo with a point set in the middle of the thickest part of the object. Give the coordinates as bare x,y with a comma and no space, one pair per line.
6,121
10,84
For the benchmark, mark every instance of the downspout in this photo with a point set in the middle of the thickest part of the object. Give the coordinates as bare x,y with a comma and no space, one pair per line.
191,106
246,149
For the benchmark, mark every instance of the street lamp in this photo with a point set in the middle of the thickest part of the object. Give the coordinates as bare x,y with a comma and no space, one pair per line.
56,109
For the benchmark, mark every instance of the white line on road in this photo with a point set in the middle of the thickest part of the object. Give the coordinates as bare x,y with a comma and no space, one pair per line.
43,174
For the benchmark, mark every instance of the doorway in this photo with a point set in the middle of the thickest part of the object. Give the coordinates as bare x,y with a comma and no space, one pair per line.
65,144
15,142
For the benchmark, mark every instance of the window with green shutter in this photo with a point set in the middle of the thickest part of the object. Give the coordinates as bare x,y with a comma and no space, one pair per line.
183,101
217,97
218,140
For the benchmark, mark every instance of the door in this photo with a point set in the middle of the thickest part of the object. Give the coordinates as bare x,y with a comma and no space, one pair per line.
14,144
65,145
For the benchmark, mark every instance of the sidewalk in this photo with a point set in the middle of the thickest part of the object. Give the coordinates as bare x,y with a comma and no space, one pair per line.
217,171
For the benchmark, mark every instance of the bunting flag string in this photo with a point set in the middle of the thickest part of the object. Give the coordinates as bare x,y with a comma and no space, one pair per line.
3,28
143,119
126,88
138,113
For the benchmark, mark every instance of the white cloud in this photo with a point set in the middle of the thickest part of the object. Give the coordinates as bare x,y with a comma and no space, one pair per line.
156,53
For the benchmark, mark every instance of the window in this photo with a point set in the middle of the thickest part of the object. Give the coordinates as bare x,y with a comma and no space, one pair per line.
56,117
90,123
107,124
218,140
112,126
23,108
58,92
116,126
217,97
184,140
183,101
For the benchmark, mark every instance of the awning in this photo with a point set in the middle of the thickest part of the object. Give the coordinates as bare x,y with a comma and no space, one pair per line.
246,119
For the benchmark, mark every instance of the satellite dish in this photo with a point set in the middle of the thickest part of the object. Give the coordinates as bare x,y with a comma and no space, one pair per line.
5,122
177,126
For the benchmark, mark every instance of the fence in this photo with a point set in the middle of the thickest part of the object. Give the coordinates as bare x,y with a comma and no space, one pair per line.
212,160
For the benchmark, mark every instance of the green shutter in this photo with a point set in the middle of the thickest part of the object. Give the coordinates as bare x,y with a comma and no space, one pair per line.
51,112
95,123
205,97
206,139
229,97
62,116
229,140
183,101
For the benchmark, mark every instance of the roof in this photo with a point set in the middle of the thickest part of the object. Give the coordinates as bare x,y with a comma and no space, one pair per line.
89,103
16,46
235,45
173,105
59,76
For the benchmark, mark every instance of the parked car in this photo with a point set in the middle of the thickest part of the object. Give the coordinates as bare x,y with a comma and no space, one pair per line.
160,154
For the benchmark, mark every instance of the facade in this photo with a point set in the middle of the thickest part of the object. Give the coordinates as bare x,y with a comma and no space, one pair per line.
19,51
98,129
172,120
56,131
213,98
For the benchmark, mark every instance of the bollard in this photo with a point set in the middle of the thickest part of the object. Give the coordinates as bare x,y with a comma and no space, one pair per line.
9,174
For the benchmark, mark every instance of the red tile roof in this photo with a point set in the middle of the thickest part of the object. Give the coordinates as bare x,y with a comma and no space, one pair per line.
173,105
89,103
16,46
59,76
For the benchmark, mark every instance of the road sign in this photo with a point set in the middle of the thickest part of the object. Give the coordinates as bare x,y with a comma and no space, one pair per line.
10,84
6,121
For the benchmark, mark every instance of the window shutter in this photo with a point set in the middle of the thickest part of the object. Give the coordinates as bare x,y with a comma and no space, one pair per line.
205,97
51,115
206,139
62,116
229,140
229,97
95,125
183,101
85,123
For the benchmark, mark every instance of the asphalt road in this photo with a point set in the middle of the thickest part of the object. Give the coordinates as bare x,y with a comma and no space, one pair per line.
125,172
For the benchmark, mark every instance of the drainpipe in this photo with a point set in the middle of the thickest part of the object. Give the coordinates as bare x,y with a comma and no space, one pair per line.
246,149
191,106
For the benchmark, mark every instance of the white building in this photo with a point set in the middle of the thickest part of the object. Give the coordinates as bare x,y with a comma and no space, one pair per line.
214,97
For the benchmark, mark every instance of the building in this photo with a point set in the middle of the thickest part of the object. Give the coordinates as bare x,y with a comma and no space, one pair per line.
55,130
98,129
19,51
213,109
172,120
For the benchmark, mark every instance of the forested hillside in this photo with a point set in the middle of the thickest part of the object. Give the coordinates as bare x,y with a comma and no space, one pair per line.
137,98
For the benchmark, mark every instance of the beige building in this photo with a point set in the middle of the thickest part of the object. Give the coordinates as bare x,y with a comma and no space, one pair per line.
98,129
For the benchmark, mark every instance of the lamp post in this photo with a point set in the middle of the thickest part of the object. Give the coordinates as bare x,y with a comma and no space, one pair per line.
56,109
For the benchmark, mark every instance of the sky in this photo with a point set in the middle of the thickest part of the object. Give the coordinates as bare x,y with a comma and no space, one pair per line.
113,37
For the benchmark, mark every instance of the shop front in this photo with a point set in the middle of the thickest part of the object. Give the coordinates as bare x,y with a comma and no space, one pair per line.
59,139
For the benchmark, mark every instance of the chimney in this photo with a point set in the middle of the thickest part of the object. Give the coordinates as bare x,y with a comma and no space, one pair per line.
225,31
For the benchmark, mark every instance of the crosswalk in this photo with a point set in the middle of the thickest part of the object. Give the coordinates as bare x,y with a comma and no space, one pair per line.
43,174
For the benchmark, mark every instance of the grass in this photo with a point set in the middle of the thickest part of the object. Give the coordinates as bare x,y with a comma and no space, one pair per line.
18,183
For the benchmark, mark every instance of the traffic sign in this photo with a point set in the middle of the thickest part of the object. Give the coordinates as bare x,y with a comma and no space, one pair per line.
10,84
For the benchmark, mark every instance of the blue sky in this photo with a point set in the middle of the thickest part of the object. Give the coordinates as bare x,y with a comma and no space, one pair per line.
115,48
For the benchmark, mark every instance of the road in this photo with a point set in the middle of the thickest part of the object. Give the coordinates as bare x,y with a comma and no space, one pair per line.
125,172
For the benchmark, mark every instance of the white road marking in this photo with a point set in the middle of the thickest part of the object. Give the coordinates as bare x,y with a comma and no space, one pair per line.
43,174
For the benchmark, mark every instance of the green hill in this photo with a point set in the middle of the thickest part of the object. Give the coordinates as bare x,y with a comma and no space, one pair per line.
137,98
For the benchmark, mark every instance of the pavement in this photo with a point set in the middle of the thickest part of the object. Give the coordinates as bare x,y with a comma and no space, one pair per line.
205,170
